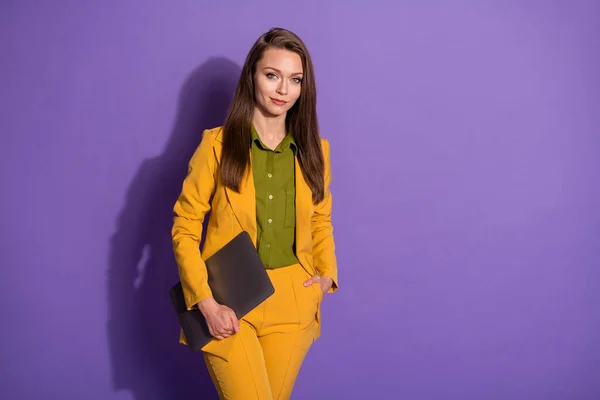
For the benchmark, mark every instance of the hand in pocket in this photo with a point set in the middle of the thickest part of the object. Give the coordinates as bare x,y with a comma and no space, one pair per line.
324,282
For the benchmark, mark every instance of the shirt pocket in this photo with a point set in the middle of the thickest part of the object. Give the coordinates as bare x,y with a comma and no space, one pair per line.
290,208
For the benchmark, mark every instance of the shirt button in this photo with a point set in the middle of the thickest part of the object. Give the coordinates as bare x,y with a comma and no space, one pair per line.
270,197
267,245
270,175
269,220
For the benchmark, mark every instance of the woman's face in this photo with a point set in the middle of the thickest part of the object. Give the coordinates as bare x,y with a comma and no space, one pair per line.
277,81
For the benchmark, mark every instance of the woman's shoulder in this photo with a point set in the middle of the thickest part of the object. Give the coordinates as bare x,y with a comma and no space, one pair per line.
209,141
213,134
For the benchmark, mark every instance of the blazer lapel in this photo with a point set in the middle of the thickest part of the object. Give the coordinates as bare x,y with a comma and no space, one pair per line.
243,203
303,208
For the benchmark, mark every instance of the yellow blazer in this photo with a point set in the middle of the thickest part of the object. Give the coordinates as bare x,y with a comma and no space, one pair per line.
202,192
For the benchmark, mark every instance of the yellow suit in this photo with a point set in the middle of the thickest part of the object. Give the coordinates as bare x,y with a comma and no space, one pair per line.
232,212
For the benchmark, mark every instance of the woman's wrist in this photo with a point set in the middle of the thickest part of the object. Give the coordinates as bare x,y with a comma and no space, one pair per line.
206,305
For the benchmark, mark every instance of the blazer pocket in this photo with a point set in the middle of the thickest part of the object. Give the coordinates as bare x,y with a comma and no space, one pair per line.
290,208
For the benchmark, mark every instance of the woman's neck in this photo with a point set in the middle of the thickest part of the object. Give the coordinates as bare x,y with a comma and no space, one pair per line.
269,128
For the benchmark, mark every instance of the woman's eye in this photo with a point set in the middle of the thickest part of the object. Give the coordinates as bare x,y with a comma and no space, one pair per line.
271,76
297,80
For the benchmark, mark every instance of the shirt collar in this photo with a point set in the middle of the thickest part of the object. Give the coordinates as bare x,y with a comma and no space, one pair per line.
288,141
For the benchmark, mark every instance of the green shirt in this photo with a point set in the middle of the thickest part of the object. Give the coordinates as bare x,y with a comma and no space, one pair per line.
275,186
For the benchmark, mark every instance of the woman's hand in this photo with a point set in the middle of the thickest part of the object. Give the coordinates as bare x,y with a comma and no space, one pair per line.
222,321
324,282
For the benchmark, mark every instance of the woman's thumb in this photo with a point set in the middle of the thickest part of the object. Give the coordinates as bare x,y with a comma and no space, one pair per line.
235,322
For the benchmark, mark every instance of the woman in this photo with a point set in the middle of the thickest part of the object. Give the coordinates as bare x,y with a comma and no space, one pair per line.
267,172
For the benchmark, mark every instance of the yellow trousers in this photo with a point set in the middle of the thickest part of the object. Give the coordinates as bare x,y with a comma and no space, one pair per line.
263,359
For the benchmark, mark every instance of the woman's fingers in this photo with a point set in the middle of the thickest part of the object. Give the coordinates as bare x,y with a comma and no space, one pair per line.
224,325
313,280
235,324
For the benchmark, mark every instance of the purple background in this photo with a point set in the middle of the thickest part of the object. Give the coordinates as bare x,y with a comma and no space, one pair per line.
465,141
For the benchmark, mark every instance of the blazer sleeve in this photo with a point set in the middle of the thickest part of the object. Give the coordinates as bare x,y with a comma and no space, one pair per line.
322,229
192,205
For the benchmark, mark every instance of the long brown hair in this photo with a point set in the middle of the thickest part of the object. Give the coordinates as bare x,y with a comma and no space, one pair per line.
301,119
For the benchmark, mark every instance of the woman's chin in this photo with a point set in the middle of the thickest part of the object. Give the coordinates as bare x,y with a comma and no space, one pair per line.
273,112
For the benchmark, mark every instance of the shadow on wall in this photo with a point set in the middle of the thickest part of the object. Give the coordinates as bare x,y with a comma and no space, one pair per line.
143,330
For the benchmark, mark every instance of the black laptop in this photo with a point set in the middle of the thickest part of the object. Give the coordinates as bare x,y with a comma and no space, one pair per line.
237,279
